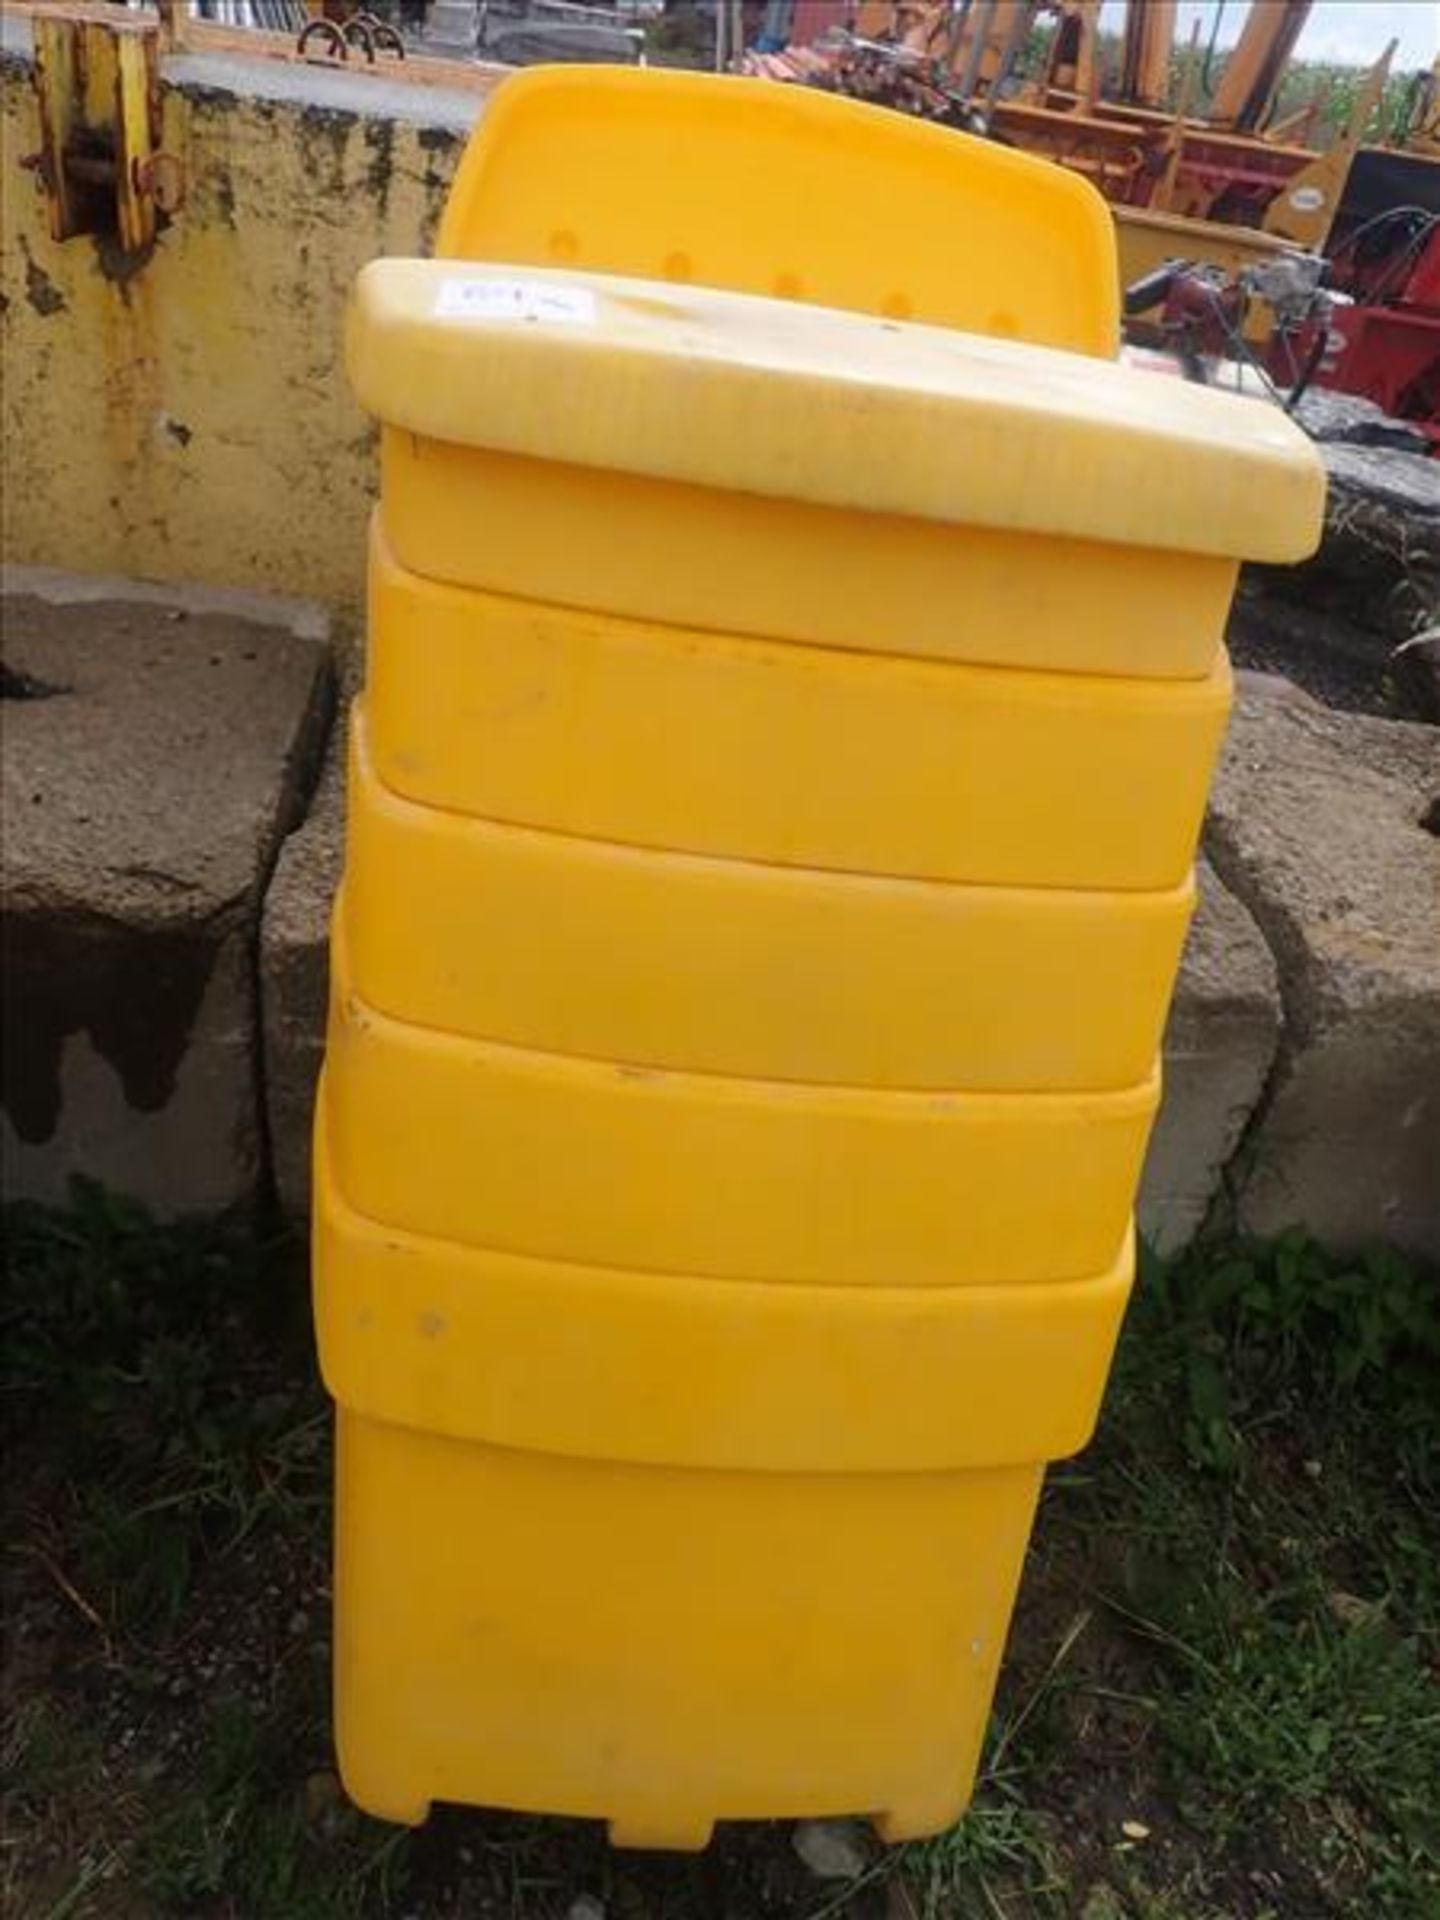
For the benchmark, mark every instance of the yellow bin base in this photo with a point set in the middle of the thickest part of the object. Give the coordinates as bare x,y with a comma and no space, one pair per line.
661,1648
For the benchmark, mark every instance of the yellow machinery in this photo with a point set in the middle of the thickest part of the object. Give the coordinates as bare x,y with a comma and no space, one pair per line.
990,35
785,734
1232,191
1245,97
1149,42
1421,131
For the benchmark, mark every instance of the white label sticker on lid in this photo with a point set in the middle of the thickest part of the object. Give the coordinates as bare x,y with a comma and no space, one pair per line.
514,300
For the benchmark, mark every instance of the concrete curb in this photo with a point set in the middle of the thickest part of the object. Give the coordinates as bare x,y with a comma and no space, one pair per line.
157,746
178,839
1318,823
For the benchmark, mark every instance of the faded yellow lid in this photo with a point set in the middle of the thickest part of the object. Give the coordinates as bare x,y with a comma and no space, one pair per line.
840,409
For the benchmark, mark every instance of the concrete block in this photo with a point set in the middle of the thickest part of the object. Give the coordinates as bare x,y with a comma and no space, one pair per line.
295,976
1220,1043
1319,826
157,742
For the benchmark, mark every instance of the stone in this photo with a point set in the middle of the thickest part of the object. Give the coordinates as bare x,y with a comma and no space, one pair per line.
833,1849
323,1794
1381,548
1220,1043
295,977
1317,825
1256,684
1379,559
1327,415
157,742
1335,659
1405,482
1370,590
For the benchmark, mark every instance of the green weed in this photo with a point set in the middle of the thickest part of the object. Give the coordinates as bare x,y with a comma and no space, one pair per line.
998,1855
1261,1332
1229,1635
241,1832
135,1360
1291,1707
1271,1505
42,1751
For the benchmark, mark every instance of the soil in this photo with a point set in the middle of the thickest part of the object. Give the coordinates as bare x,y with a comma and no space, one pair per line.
1342,665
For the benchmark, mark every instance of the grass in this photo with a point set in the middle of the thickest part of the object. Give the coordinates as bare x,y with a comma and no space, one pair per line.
1221,1701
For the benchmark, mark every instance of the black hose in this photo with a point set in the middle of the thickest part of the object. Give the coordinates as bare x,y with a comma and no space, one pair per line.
1398,262
1309,370
1143,294
1382,220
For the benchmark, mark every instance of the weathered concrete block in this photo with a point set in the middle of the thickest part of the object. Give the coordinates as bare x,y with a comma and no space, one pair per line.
1220,1043
1328,416
295,976
157,742
1317,825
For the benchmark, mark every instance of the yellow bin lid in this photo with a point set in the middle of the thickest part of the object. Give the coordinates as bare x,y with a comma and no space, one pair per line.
836,408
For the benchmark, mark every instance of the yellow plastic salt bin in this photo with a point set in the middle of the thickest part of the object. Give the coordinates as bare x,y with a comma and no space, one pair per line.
772,803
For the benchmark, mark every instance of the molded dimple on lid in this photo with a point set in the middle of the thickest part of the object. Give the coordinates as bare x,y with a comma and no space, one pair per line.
723,182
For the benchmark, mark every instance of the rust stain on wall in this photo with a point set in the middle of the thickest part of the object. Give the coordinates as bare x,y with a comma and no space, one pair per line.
192,408
41,293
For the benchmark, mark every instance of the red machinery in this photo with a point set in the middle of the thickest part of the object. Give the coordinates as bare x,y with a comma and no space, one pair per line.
1386,346
1365,321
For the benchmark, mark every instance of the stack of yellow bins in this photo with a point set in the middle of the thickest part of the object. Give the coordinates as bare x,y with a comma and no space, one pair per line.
772,805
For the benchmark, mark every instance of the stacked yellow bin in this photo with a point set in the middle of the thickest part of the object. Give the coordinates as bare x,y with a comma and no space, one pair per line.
772,805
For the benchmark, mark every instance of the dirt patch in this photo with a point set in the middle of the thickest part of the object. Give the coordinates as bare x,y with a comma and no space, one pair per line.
1336,661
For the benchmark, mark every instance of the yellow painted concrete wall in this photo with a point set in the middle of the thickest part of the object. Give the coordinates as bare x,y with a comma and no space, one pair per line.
191,421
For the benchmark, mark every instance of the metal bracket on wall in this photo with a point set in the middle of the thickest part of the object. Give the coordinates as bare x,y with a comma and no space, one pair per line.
100,163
